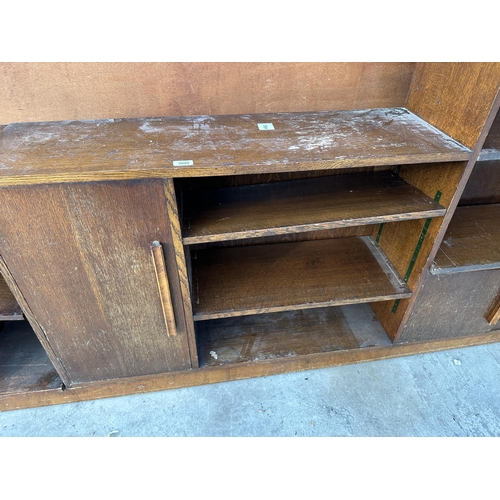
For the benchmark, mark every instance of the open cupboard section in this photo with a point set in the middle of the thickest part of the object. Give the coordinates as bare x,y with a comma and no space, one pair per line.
462,294
174,251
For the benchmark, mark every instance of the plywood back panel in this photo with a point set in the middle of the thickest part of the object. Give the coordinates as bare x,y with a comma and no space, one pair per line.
81,91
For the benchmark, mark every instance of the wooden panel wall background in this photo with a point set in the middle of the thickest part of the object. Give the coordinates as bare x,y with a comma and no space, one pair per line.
85,91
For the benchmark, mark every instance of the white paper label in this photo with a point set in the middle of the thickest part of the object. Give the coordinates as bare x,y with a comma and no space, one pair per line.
265,126
183,163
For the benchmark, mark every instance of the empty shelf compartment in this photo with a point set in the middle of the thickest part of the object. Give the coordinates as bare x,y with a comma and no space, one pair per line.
238,281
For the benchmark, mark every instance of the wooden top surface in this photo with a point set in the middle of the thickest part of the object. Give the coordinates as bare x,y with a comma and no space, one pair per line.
32,153
472,241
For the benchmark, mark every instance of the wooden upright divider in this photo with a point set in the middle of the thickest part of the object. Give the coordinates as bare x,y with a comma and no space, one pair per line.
444,94
208,222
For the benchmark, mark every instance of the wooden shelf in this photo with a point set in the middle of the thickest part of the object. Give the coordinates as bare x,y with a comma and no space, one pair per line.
491,146
9,308
293,333
258,279
24,365
303,205
35,153
472,241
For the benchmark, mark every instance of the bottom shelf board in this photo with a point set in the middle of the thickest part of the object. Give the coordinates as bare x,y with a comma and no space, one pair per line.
293,333
259,279
24,365
471,242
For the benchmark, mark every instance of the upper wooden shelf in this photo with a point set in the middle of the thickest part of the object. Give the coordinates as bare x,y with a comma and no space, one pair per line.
71,151
9,308
491,146
472,241
302,205
260,279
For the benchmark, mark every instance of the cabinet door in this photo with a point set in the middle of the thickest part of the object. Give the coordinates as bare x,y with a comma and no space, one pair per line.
81,256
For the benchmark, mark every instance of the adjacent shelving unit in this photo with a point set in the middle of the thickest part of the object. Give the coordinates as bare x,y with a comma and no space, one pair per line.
472,241
462,293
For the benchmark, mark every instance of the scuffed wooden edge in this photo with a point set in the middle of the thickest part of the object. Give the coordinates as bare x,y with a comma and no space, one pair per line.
175,227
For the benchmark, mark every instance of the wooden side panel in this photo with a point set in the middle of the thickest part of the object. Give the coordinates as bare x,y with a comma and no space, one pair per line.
455,97
80,254
454,305
83,91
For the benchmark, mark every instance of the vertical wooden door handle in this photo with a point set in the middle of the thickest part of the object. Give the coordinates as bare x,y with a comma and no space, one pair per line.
494,315
163,287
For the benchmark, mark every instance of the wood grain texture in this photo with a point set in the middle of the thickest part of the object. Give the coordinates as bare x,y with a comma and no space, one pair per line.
87,91
9,308
182,270
471,242
284,334
454,305
24,364
483,185
91,282
55,152
301,206
239,371
285,276
455,97
341,232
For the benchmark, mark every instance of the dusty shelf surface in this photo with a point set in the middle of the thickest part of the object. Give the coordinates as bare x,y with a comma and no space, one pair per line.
302,205
292,333
246,280
189,146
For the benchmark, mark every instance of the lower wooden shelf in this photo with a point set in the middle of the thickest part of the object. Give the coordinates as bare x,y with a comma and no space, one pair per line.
292,333
259,279
24,364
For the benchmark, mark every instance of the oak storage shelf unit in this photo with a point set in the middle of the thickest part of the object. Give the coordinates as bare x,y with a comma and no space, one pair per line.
194,249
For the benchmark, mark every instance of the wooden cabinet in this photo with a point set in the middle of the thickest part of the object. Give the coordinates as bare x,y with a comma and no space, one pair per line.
151,253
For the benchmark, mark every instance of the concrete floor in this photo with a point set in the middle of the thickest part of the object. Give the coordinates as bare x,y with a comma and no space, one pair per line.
451,393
